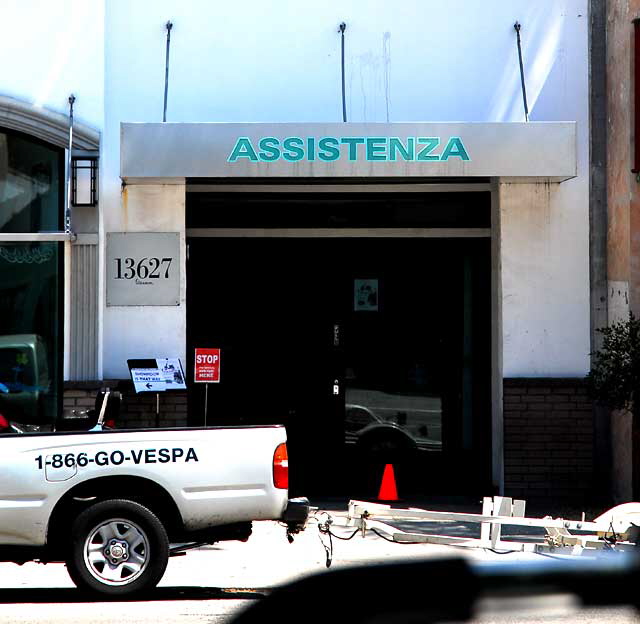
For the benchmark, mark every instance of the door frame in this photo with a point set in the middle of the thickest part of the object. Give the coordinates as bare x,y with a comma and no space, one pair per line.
494,233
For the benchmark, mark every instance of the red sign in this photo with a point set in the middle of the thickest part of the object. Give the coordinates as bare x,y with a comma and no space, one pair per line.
207,369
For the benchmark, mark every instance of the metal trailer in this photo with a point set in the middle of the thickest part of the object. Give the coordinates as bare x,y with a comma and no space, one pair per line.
616,529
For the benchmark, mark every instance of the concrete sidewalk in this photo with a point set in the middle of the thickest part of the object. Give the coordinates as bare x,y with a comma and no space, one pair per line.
265,561
268,560
212,583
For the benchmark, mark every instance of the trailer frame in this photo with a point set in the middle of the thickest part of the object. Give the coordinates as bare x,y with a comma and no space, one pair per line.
617,529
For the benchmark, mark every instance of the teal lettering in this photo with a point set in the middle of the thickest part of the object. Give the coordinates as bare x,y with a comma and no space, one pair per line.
269,147
243,149
295,147
311,148
407,152
454,148
376,148
329,149
431,144
353,143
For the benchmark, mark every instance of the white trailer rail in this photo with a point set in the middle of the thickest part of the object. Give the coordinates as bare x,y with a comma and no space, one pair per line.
618,528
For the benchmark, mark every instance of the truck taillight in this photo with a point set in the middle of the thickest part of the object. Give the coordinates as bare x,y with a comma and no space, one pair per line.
281,467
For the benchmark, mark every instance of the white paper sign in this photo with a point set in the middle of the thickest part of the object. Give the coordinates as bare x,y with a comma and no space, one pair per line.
365,295
166,375
172,373
148,380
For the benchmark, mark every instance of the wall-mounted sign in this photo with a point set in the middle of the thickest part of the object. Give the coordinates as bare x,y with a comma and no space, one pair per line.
147,380
143,268
157,374
365,295
207,366
516,151
368,148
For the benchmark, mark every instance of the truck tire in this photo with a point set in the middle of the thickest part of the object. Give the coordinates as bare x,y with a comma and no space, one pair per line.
117,548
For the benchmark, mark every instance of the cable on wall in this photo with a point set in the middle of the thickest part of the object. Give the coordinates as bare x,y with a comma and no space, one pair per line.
517,27
168,26
67,207
341,29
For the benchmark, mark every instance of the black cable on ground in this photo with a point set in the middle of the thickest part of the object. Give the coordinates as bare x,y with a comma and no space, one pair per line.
498,552
384,537
344,539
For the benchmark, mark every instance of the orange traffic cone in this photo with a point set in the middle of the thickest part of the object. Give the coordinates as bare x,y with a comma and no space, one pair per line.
388,491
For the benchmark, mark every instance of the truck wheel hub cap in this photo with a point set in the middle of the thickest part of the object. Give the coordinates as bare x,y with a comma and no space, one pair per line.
116,552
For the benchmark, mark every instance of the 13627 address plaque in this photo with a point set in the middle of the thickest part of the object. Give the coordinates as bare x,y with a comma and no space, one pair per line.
143,268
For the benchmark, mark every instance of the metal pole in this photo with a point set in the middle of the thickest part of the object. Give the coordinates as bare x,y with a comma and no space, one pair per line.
342,28
636,97
67,208
157,410
169,26
206,402
524,90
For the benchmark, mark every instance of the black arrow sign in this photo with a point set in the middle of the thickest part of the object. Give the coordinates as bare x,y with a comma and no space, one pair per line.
149,385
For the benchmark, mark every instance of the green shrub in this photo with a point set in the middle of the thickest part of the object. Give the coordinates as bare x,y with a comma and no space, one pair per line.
615,369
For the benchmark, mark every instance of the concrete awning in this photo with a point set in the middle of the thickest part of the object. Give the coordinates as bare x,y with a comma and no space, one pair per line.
511,152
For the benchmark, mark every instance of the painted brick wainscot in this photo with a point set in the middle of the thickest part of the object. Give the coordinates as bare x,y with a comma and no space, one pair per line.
548,440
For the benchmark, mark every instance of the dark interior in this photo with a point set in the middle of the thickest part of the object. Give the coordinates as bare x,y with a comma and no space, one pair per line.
370,351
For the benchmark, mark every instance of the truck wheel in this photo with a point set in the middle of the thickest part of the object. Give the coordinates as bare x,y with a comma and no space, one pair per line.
118,547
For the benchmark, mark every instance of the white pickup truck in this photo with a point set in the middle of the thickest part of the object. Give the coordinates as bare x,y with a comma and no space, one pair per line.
110,504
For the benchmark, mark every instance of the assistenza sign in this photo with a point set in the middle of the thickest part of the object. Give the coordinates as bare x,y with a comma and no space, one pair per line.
151,152
352,148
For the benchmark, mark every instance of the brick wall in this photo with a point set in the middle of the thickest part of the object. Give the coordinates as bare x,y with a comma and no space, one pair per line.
548,440
548,433
137,410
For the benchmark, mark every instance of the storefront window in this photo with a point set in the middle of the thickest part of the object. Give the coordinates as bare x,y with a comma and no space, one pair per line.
29,335
30,280
30,185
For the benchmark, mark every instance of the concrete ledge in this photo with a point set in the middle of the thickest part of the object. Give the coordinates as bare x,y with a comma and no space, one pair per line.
45,124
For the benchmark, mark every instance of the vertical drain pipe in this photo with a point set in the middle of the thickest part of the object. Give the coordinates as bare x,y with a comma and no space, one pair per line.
70,237
524,90
169,26
341,29
67,208
636,99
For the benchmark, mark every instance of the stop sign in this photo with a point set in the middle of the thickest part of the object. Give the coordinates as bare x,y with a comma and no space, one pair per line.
207,366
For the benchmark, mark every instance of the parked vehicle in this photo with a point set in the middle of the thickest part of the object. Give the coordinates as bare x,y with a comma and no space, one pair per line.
382,423
24,377
109,503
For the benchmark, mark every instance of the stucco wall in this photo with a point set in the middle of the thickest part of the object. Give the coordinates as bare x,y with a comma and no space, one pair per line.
623,213
53,49
545,281
256,61
281,63
623,197
148,331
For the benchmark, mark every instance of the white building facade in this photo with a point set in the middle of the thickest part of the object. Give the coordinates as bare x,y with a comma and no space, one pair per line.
465,225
